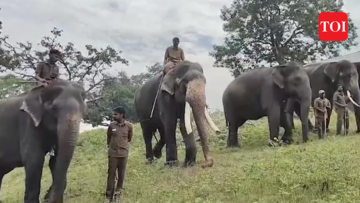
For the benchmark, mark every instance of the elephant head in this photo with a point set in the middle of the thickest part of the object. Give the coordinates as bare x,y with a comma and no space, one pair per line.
189,89
292,79
344,73
57,109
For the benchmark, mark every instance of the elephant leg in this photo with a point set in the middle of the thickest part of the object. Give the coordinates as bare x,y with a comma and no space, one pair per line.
274,121
190,146
160,144
297,108
169,120
33,172
287,136
148,135
357,119
52,163
233,136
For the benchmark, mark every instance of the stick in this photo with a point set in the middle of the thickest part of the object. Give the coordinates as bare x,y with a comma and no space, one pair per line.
345,122
157,94
325,124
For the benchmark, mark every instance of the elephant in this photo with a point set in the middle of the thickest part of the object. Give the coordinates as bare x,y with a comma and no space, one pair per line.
34,122
327,77
175,95
264,92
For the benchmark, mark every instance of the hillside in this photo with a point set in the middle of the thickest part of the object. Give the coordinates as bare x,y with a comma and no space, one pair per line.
319,171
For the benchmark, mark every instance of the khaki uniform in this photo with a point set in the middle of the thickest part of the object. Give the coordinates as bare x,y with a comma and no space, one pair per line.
320,117
173,56
342,112
118,137
47,71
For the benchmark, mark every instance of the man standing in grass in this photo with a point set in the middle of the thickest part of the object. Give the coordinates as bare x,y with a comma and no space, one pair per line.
119,135
320,109
341,110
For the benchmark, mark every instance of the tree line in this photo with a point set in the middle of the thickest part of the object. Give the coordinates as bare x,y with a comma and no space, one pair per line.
258,32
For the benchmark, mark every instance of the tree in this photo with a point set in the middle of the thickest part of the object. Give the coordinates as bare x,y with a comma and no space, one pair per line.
272,32
12,85
152,70
118,91
115,92
89,69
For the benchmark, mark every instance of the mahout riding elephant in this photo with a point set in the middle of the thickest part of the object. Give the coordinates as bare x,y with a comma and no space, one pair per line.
264,92
182,90
327,77
34,122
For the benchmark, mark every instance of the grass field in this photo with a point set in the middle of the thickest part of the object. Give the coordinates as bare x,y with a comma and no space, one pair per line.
316,172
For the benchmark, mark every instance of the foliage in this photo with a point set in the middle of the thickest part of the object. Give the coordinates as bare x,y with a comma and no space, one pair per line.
319,171
141,78
118,91
12,85
272,32
89,69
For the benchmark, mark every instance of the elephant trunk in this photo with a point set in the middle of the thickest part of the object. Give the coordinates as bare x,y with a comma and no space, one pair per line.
67,132
195,98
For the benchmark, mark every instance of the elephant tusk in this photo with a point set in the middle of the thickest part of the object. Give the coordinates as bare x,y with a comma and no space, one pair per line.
187,118
352,101
211,122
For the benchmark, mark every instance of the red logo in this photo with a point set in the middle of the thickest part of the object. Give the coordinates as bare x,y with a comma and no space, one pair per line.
333,26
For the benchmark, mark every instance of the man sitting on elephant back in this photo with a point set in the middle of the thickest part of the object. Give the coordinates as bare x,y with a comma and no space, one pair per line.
341,110
321,104
173,55
48,71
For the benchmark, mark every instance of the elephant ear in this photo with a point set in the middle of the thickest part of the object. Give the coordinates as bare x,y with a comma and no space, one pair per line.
331,70
277,77
33,103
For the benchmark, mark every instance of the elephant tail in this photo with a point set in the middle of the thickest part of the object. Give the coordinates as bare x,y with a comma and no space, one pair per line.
226,120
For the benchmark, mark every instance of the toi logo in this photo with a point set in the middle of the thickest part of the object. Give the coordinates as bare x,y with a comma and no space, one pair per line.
333,26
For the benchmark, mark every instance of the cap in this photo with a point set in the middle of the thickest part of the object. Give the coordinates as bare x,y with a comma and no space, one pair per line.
321,91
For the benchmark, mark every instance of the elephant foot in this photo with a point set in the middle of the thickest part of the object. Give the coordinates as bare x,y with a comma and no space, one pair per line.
357,131
149,160
273,143
172,163
189,162
157,153
209,162
284,142
233,145
327,130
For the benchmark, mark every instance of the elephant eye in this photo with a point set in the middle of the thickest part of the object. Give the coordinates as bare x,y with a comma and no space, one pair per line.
297,80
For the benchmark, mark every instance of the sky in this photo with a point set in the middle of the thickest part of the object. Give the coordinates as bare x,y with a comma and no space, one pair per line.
142,30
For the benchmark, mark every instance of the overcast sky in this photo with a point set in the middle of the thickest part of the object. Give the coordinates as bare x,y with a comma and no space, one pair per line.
142,29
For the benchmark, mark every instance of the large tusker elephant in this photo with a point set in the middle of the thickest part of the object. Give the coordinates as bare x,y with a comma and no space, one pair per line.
264,92
327,77
182,90
34,122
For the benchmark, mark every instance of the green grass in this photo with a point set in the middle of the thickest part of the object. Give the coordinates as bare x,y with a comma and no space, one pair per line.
254,173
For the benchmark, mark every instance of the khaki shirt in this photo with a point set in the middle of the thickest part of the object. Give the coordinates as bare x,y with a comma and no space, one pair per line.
118,137
321,104
174,55
47,71
339,98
